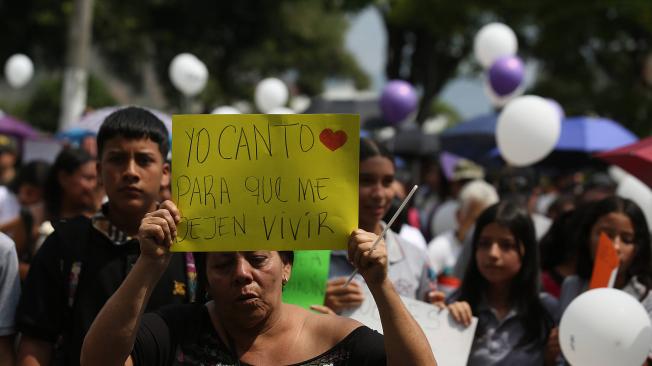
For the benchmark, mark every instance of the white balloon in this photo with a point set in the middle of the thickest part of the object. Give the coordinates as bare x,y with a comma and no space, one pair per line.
617,173
244,106
527,130
386,133
300,103
270,93
631,187
493,41
225,109
499,101
19,70
605,326
281,110
188,74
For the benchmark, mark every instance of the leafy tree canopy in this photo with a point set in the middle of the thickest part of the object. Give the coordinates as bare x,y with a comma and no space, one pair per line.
592,56
240,41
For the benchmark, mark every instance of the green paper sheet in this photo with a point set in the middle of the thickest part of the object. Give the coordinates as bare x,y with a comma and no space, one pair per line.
307,284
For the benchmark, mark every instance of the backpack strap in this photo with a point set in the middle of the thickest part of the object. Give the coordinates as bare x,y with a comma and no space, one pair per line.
74,235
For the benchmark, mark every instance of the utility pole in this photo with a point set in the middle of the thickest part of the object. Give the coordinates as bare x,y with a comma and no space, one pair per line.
75,77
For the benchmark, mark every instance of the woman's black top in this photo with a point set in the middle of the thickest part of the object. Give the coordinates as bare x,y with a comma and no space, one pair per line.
184,335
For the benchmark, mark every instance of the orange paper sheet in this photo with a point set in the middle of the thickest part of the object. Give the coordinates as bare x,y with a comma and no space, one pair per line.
606,263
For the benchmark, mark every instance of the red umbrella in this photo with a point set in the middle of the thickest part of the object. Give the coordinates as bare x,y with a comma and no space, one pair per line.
635,158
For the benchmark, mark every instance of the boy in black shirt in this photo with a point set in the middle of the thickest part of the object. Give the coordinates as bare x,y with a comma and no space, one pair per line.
86,259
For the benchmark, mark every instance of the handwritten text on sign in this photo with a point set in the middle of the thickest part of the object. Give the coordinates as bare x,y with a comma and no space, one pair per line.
274,182
450,342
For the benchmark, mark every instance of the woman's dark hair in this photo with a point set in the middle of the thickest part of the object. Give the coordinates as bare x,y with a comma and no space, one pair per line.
402,218
432,163
68,161
287,256
558,246
641,266
133,123
524,289
370,148
34,173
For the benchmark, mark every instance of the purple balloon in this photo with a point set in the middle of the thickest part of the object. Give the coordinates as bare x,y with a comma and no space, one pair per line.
506,74
398,100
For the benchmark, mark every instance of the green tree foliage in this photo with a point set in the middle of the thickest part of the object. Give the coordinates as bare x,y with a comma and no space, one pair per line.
36,28
593,58
240,41
428,40
591,55
42,110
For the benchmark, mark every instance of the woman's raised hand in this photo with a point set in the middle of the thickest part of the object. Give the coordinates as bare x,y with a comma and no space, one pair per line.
371,263
157,231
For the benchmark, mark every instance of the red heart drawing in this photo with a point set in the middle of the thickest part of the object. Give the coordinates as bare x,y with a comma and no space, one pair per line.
332,140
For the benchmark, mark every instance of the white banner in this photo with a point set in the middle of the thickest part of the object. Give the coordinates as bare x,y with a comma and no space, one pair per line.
450,341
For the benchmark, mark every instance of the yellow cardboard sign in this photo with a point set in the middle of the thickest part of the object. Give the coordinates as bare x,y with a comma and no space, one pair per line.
265,182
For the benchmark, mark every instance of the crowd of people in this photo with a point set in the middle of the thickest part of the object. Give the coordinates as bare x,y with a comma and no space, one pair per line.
87,275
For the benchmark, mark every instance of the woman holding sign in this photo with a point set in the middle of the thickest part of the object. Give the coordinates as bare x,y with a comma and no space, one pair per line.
247,323
501,288
409,269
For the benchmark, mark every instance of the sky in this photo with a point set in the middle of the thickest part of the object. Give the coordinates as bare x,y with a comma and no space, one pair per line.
367,40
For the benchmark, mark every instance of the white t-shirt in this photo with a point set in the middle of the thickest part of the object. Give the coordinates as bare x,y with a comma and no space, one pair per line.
443,251
9,206
541,224
445,218
9,284
413,236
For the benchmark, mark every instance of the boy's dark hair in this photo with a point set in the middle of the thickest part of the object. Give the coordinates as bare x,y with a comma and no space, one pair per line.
133,123
524,288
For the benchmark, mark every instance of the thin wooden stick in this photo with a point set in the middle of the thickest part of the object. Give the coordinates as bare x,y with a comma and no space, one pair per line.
389,224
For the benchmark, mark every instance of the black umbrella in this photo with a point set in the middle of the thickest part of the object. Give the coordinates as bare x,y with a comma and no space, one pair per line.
412,142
